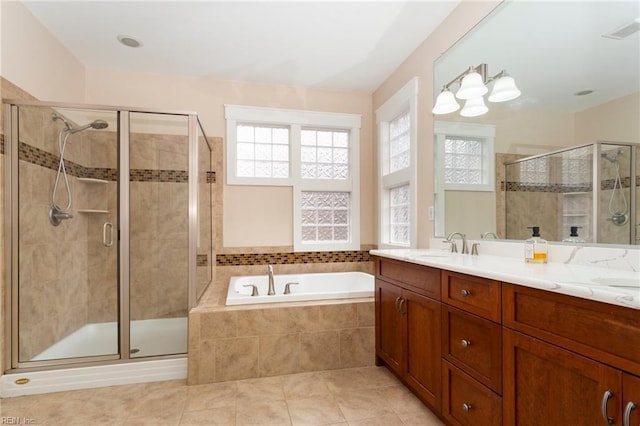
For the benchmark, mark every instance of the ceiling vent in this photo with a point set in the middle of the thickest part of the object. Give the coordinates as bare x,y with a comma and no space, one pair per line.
624,31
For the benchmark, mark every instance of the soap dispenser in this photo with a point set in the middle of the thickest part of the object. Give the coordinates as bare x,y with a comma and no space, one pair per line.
573,236
535,248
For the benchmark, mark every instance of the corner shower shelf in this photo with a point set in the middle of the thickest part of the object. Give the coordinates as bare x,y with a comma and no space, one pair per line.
92,180
92,211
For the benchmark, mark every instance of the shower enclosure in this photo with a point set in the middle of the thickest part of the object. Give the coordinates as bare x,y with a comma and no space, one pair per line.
592,187
108,232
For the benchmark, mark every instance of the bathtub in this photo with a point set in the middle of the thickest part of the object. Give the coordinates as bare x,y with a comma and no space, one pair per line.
320,286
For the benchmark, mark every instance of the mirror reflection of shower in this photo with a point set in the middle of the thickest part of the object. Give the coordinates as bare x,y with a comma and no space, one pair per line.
618,217
57,213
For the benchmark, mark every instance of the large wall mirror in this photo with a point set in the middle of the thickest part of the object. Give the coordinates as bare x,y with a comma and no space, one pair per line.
577,66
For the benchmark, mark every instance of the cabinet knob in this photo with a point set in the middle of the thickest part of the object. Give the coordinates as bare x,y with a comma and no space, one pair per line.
465,292
466,407
465,343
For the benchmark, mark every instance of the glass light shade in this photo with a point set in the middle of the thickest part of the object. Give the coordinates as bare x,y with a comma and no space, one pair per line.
445,103
474,107
504,89
471,87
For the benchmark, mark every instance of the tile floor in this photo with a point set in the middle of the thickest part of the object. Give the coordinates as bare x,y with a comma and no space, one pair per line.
356,396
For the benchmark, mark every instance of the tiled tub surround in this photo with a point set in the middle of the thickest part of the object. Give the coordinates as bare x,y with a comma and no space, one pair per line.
609,275
241,342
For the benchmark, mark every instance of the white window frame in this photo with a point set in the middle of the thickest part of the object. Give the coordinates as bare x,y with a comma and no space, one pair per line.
297,120
405,99
442,129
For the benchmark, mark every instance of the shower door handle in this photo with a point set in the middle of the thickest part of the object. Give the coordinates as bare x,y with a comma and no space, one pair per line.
107,234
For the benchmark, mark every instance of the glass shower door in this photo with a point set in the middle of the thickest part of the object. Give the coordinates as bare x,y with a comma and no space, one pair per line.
159,234
67,288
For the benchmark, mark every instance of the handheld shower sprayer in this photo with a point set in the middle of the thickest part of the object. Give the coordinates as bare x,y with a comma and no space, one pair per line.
620,217
57,214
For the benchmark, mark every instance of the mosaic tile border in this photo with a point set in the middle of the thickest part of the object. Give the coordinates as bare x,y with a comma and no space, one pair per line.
39,157
248,259
559,189
202,260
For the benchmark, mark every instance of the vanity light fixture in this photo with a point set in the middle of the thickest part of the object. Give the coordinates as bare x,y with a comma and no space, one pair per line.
473,86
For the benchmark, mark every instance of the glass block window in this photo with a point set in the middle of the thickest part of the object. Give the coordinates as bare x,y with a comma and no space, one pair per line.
463,160
576,166
325,216
262,151
399,215
324,154
399,143
534,171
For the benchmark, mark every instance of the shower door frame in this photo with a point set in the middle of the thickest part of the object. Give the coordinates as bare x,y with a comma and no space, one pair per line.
11,314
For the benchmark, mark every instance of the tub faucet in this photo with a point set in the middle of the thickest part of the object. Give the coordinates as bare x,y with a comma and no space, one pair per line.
454,248
272,289
489,234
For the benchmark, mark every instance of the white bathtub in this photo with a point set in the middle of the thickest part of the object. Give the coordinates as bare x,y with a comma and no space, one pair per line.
321,286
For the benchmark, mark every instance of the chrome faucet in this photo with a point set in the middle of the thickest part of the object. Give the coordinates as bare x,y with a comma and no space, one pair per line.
454,248
272,289
489,234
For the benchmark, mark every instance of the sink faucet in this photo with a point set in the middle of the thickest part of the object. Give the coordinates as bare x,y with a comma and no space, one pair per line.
272,289
489,234
454,248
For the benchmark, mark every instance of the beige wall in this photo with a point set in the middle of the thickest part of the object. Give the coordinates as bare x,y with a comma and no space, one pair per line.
420,64
252,216
615,121
35,61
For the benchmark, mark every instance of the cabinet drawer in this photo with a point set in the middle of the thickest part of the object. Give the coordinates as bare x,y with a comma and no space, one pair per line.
608,333
467,402
421,279
479,296
474,345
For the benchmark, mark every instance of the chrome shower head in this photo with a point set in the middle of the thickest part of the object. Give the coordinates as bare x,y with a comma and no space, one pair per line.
612,158
97,124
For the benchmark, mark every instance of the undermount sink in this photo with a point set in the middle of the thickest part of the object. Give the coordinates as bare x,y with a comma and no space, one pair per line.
430,253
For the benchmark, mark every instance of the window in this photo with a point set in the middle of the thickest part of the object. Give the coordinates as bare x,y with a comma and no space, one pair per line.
262,151
464,161
316,153
397,134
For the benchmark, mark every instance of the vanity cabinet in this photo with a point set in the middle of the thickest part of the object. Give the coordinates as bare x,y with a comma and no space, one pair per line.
570,360
408,326
484,352
471,350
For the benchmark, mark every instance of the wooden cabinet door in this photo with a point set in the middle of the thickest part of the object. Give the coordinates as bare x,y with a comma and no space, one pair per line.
631,399
424,367
390,326
547,385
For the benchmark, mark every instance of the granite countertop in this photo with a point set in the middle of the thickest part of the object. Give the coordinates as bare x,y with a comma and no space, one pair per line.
617,287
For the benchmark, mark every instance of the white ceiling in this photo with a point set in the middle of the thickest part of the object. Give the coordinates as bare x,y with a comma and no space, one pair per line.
342,45
553,49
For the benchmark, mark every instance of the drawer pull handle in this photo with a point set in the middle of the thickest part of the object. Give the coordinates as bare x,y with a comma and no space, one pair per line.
627,413
603,407
466,407
400,309
465,343
398,301
465,293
